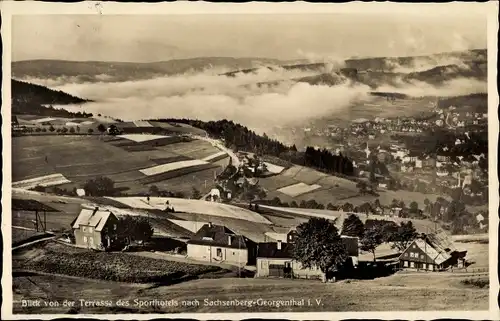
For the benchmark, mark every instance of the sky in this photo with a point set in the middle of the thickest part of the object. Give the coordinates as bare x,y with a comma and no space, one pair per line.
146,38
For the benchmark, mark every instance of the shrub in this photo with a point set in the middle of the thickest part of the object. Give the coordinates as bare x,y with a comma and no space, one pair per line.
72,130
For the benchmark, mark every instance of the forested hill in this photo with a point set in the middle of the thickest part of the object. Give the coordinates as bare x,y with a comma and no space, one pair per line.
239,137
28,99
27,92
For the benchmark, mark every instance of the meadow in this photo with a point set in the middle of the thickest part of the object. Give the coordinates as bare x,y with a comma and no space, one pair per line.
416,292
79,158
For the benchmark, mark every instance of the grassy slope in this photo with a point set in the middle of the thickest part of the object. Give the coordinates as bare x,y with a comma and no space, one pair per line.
398,292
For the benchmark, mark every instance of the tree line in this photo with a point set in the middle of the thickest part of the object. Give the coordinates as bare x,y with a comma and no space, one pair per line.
239,137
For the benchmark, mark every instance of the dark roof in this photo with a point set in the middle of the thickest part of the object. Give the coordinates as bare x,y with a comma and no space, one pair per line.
30,205
218,235
270,250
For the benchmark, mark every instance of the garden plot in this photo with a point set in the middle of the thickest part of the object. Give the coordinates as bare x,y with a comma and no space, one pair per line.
159,169
48,180
276,182
309,176
292,171
275,169
194,206
215,157
43,120
331,215
142,123
139,138
298,189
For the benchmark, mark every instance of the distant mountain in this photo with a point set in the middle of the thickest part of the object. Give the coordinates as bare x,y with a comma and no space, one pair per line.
29,99
383,64
122,71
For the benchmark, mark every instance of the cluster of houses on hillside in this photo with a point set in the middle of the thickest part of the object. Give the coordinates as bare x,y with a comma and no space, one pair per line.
97,229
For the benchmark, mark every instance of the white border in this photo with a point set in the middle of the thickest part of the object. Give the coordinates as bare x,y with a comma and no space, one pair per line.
490,9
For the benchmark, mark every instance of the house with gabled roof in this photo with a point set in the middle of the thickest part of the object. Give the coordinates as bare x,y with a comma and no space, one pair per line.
95,229
218,244
428,253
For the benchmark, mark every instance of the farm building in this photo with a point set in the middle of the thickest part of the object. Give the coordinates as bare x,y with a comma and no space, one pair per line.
217,243
428,254
95,229
276,258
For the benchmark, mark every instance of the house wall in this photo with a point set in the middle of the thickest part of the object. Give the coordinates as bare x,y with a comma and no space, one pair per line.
419,259
210,253
87,237
297,269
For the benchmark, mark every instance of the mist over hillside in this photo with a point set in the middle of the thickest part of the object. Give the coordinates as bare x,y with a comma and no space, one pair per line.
276,94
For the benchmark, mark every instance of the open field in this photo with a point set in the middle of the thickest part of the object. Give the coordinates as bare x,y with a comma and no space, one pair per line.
75,158
298,189
401,292
333,189
193,206
275,169
47,180
138,138
159,169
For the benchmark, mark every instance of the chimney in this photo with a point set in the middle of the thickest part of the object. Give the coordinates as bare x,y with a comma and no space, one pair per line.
209,224
229,240
279,244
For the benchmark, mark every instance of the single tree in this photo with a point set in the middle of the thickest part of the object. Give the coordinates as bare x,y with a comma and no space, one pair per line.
154,190
413,207
318,244
72,130
134,228
403,236
101,186
196,194
353,226
78,129
372,238
101,128
64,130
90,131
38,129
51,129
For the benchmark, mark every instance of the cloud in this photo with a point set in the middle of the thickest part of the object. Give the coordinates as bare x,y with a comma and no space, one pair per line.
454,87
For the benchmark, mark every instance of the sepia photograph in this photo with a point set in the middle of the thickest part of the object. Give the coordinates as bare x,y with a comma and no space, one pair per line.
250,161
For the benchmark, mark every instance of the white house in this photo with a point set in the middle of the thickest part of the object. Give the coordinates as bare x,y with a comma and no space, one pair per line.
218,244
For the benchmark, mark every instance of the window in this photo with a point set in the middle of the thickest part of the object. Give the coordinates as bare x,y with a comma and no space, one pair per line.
114,227
422,256
85,239
406,254
234,253
90,229
412,264
84,229
414,246
91,240
411,254
405,264
219,252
